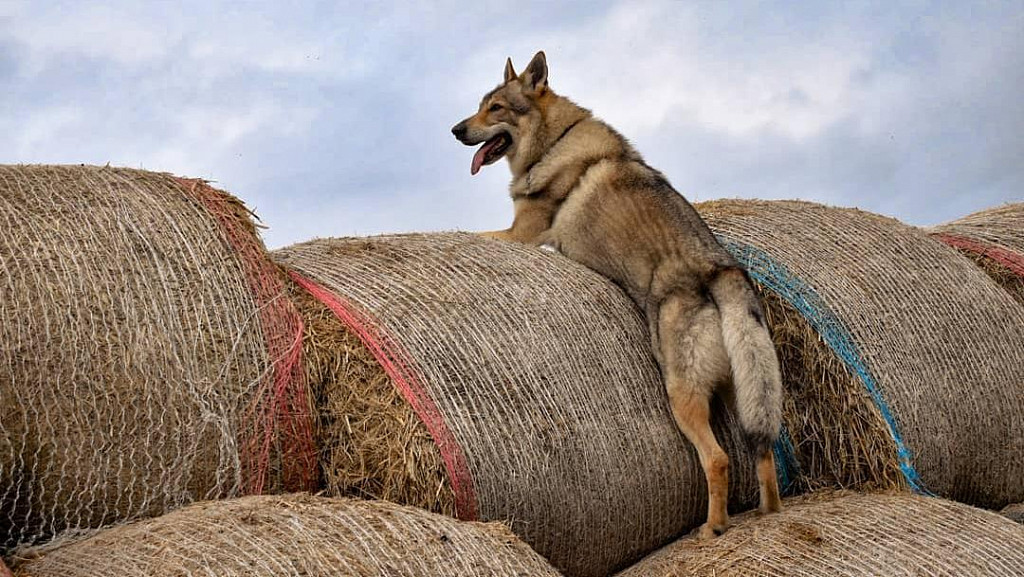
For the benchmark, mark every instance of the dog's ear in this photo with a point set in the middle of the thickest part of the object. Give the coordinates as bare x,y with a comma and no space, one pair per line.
510,73
536,75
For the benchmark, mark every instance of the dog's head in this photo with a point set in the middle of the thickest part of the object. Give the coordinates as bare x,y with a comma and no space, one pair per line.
508,114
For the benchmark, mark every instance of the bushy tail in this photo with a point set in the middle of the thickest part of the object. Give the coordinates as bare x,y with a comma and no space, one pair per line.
755,365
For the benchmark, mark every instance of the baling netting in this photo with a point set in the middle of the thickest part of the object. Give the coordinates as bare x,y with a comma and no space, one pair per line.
994,239
149,357
851,535
293,536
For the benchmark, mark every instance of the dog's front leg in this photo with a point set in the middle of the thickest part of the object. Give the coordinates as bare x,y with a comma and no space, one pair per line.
498,234
531,223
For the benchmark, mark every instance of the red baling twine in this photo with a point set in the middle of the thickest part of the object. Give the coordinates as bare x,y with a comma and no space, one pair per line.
280,408
396,364
1011,260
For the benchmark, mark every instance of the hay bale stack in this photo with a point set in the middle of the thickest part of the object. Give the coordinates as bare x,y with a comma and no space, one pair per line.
149,357
534,378
852,535
994,239
294,535
933,341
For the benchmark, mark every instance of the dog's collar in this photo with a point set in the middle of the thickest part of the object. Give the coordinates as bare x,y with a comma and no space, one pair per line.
529,170
566,131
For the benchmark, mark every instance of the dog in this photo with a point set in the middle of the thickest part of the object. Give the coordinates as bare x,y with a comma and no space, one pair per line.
580,188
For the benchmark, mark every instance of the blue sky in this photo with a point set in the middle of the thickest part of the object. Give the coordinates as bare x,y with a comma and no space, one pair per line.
332,119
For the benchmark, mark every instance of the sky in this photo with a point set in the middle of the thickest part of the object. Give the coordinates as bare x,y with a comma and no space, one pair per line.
333,118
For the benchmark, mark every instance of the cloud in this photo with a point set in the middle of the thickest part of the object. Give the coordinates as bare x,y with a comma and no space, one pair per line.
53,31
333,119
643,65
902,110
40,128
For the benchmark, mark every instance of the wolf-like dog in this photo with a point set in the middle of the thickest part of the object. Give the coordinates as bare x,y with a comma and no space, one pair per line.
580,188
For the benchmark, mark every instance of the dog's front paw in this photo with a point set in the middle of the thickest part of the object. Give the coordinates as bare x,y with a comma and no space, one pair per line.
709,531
771,506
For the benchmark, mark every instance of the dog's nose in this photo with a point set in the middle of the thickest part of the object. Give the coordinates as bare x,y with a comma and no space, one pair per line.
459,130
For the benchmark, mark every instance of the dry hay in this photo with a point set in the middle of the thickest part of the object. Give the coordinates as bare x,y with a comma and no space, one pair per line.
533,375
932,339
371,442
851,535
994,239
837,436
149,356
293,535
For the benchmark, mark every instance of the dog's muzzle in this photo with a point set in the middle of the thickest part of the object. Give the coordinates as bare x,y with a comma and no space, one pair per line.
459,130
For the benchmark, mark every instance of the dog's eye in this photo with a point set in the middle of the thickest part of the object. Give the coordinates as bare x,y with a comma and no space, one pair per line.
494,107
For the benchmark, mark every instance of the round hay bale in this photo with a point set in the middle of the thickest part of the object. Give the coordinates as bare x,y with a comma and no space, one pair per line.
371,442
293,535
534,379
933,341
150,357
851,535
994,239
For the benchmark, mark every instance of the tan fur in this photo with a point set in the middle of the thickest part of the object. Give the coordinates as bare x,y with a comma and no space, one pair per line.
581,188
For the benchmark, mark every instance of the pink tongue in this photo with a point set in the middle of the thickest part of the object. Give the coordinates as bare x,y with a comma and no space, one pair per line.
478,158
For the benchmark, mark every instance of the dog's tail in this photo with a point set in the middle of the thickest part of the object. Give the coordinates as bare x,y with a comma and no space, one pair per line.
755,365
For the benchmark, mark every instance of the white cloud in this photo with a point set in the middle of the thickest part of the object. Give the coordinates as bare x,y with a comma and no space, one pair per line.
34,133
643,65
895,108
257,45
177,35
13,8
89,30
203,141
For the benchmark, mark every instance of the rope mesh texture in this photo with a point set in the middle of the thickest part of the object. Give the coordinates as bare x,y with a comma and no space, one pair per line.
934,341
851,535
294,536
994,239
287,414
534,372
999,231
148,360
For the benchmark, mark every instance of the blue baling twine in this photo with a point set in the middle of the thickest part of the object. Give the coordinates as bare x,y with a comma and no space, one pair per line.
775,276
787,468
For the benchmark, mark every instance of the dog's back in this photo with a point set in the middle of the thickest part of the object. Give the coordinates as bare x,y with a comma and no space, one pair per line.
624,220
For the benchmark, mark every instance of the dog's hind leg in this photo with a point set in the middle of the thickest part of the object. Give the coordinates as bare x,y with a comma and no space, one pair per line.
768,483
693,416
694,362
